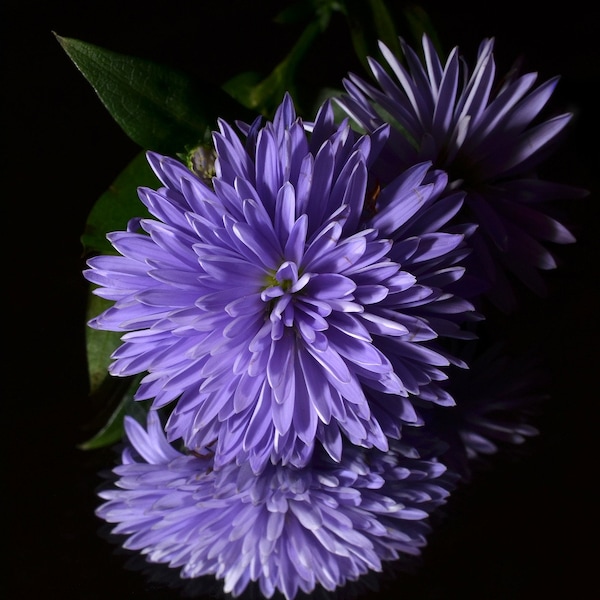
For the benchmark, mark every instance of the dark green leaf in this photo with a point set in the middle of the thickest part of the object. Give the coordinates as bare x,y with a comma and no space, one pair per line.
99,344
113,430
264,96
369,23
295,13
117,205
319,11
419,23
111,433
241,87
383,22
159,108
111,396
330,93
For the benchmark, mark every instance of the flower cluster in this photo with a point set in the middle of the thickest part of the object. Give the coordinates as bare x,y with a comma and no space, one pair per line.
295,318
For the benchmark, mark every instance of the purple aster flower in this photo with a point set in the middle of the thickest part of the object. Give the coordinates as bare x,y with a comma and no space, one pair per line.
271,303
287,529
488,136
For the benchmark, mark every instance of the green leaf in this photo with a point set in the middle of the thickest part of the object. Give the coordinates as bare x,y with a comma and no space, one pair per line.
159,108
370,22
241,87
419,23
296,13
265,95
113,396
99,344
309,10
113,430
330,93
117,205
383,22
111,433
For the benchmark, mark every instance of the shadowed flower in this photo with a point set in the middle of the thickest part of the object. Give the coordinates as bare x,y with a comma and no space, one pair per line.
488,137
287,529
270,303
497,401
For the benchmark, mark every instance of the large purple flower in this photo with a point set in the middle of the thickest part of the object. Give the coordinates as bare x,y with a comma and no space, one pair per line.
271,303
488,136
287,529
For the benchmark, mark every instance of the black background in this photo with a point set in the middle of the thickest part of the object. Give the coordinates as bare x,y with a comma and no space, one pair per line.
523,529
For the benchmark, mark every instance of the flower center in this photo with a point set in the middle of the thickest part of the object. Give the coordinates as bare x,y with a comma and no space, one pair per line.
281,285
286,280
